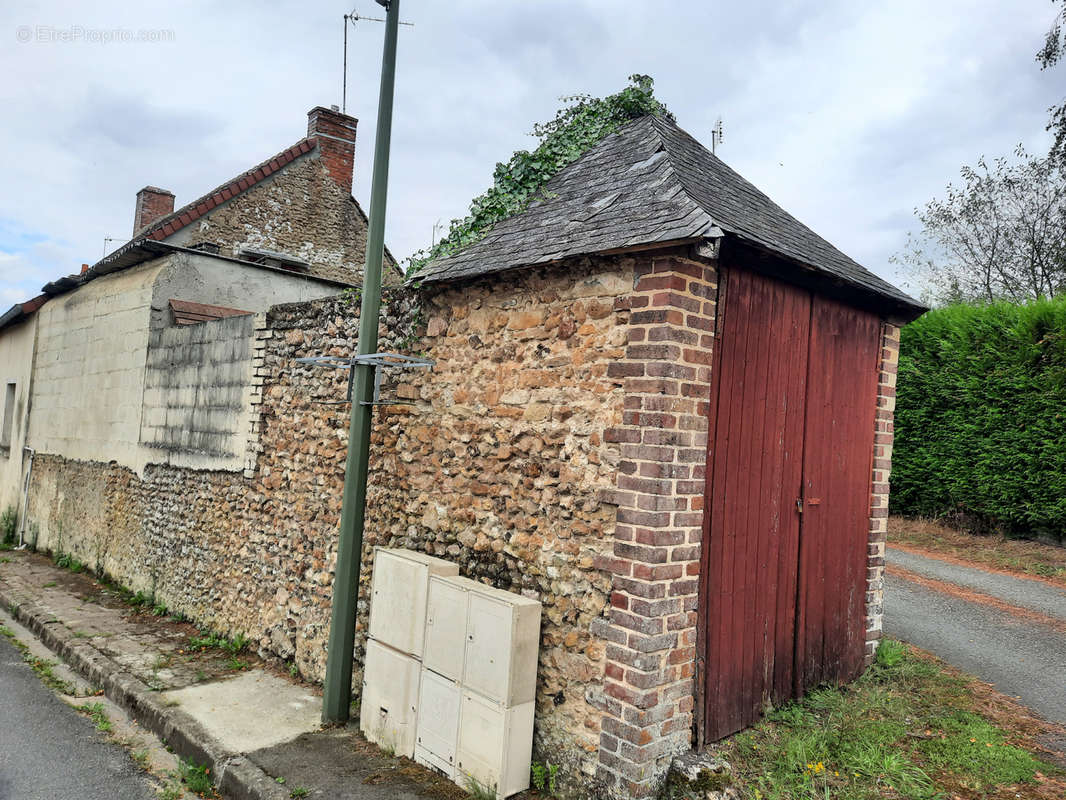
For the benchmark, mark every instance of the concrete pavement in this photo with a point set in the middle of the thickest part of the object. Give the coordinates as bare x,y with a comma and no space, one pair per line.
253,726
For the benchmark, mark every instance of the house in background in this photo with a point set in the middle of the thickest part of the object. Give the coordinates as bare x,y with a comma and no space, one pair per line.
100,366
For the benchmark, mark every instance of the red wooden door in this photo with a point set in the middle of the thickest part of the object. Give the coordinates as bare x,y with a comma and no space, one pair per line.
753,474
837,470
788,480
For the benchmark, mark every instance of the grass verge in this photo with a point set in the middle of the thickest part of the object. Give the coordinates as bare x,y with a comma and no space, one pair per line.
909,727
44,667
995,550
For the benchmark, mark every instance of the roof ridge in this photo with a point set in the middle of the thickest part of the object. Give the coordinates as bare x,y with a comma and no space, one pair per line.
656,121
737,227
215,197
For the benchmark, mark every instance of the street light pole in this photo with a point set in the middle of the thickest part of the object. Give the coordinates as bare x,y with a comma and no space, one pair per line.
337,691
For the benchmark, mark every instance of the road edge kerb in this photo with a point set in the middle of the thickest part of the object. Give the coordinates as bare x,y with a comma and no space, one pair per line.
233,774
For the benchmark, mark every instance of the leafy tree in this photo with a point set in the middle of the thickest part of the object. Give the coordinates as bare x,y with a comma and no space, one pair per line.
579,125
1050,54
1001,235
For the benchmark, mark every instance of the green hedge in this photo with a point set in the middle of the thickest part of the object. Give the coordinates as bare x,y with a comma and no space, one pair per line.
981,417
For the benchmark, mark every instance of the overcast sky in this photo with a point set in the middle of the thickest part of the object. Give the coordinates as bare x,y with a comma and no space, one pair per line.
847,114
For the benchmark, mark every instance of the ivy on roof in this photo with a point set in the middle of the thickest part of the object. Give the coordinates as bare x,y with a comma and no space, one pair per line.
576,128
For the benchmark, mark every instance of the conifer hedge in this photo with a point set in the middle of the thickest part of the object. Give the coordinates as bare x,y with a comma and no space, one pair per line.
981,417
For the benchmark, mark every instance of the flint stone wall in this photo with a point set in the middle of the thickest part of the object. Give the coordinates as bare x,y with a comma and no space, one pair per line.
500,463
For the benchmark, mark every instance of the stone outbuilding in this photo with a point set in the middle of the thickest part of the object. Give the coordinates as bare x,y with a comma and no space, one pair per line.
661,406
756,371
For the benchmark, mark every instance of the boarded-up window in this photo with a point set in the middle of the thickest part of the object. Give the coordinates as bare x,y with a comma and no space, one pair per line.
189,313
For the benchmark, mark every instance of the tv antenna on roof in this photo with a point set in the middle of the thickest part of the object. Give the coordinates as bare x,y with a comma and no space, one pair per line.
354,18
716,135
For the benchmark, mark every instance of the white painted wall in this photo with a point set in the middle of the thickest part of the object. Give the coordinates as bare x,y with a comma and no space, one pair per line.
16,362
88,396
89,376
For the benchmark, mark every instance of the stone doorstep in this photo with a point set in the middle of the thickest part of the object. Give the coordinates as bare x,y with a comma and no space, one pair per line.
234,774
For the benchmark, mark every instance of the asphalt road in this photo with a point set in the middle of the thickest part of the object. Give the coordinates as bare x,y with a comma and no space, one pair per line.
1020,657
50,752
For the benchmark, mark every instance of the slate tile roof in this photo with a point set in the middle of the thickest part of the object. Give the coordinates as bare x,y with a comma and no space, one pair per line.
649,183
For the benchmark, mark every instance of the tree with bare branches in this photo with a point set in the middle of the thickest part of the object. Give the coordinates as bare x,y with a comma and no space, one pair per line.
1000,235
1050,54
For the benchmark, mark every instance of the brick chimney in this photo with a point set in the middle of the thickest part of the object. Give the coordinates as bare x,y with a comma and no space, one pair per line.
335,134
152,204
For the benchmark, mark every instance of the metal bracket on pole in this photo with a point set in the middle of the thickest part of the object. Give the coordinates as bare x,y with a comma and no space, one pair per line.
377,361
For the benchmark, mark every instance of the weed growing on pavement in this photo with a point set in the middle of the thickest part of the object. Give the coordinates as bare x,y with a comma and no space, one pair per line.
95,711
299,792
478,791
195,777
9,523
67,561
208,640
543,777
44,668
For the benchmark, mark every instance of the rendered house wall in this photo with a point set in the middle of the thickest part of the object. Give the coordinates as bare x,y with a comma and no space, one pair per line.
16,362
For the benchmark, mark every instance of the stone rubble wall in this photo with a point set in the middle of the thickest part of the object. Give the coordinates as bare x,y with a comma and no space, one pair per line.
501,463
300,211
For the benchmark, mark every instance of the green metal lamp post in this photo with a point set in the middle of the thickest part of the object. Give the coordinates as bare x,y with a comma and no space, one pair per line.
337,692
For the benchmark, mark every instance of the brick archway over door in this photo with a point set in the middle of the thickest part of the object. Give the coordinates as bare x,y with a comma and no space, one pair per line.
783,595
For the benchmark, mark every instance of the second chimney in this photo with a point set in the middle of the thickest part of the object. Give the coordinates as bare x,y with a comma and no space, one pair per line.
152,204
335,134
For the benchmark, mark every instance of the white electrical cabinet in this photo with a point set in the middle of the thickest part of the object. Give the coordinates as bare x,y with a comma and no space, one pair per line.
438,723
451,671
502,640
389,704
398,597
446,618
495,745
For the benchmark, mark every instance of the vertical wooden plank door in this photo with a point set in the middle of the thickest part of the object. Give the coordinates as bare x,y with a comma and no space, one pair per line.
837,471
751,528
788,479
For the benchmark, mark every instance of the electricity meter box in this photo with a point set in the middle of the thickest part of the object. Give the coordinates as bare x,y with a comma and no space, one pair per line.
502,642
447,610
485,638
495,745
398,597
438,723
388,708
